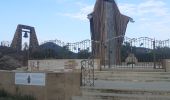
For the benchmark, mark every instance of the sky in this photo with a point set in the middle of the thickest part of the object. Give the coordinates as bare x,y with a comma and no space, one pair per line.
66,20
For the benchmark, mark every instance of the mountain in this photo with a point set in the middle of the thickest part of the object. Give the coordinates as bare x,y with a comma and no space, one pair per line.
51,50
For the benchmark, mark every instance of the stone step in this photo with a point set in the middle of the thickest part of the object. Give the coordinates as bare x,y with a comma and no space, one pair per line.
111,85
110,73
135,80
131,85
129,72
118,96
123,94
113,94
89,98
90,90
134,70
133,76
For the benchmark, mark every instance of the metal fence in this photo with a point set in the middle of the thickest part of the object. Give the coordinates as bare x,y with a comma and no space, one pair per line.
74,47
140,52
143,52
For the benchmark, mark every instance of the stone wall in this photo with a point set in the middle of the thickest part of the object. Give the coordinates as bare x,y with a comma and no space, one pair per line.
166,65
58,64
58,86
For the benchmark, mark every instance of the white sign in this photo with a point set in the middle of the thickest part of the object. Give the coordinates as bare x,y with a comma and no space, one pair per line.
30,79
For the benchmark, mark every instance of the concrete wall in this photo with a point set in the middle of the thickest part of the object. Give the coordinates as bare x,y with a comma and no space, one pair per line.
58,64
59,86
166,65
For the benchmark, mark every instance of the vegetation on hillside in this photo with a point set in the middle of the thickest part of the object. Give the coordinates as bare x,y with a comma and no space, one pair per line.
10,59
145,54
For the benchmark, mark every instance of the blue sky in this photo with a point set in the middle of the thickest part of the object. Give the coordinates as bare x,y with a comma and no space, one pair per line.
66,19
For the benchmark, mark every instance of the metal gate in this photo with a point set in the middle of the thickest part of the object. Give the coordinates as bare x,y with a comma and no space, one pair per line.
87,72
143,53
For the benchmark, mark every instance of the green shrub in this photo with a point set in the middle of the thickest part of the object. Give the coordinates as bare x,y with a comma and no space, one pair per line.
7,96
3,93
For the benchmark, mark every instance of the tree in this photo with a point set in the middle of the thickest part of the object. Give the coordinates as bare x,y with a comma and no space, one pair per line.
83,54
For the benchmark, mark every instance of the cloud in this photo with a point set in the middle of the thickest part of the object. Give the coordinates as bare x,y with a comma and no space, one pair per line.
150,15
82,14
155,7
148,7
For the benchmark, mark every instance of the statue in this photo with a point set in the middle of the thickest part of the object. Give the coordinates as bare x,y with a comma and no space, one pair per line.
108,27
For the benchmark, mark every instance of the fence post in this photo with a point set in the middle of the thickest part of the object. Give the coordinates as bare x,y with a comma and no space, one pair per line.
154,56
81,83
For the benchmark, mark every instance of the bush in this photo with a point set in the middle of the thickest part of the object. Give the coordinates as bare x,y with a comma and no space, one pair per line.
4,94
7,96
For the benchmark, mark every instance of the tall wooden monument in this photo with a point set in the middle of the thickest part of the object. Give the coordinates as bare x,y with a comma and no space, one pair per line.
108,27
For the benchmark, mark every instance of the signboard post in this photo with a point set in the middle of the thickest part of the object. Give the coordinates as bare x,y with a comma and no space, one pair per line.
37,79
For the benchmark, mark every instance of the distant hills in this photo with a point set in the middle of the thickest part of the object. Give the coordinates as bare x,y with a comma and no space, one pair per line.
51,50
